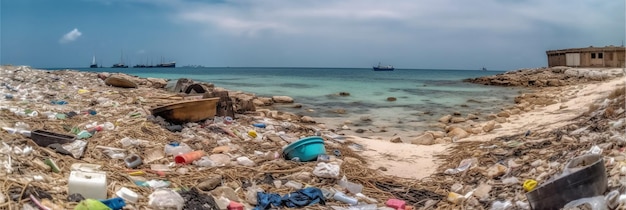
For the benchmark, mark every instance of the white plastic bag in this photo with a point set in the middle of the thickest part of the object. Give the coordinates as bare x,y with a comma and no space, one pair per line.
326,170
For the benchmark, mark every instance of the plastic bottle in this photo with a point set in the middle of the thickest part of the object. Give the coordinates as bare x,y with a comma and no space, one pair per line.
339,196
171,149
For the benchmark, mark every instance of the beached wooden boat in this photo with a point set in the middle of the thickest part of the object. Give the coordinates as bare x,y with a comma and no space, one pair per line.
117,81
187,111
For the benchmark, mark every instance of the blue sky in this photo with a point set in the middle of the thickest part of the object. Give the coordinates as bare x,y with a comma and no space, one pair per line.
425,34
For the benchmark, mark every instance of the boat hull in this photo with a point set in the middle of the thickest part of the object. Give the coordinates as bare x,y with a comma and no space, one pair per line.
383,69
187,111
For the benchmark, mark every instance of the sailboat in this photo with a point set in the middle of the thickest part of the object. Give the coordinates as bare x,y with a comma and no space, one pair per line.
121,64
93,63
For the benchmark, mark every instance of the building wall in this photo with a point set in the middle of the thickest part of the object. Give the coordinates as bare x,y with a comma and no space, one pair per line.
609,56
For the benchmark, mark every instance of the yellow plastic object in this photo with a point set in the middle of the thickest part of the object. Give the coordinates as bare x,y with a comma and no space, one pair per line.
81,91
136,173
252,133
529,185
91,204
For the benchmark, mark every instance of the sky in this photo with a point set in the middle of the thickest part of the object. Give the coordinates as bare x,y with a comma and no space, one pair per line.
415,34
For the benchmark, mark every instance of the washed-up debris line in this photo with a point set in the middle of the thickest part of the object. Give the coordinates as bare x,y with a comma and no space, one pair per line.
238,161
124,157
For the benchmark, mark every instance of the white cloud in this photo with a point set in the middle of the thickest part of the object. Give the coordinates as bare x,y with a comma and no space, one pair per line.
70,36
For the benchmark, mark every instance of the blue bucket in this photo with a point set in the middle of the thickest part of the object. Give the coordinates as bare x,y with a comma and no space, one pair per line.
306,149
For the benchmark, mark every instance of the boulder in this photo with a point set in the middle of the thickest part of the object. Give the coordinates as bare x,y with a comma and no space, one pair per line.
258,102
458,133
445,119
457,120
504,114
157,82
425,139
489,126
282,99
471,117
396,139
500,120
266,101
391,99
437,134
492,116
307,119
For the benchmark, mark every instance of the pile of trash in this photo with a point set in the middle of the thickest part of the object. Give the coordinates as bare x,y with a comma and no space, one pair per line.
81,140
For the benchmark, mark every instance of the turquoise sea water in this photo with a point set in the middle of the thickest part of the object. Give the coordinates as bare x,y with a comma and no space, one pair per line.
423,95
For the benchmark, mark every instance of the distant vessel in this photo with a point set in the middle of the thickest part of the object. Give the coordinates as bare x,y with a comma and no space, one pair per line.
93,63
121,64
166,65
383,68
484,69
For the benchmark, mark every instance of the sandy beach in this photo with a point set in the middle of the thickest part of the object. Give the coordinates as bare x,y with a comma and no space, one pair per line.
396,160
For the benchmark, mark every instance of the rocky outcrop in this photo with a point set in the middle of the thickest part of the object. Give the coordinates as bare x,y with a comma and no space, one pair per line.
543,77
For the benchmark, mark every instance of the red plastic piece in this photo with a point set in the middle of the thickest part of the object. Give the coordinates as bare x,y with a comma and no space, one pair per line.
396,204
235,206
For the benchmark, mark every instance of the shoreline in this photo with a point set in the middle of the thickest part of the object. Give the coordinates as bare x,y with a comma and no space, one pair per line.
532,113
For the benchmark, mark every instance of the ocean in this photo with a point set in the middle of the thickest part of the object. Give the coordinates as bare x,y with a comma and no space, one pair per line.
423,95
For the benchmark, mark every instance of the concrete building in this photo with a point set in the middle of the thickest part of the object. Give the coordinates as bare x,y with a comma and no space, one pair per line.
609,56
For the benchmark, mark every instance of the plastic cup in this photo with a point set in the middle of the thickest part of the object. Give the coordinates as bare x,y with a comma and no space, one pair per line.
188,157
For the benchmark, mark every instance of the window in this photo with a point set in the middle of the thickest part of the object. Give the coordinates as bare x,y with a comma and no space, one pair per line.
600,55
593,56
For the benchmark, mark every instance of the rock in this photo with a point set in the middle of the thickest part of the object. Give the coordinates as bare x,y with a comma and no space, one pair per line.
441,141
437,134
211,183
492,116
562,106
458,133
266,101
340,111
297,106
396,139
365,118
359,130
258,102
457,120
157,82
471,117
347,122
445,119
489,126
503,114
307,119
282,99
425,139
391,99
344,94
500,120
515,111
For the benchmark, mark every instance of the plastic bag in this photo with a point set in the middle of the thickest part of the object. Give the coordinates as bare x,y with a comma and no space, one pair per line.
326,170
596,203
166,199
463,166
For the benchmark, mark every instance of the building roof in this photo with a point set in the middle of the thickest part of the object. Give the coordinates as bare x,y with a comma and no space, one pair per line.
588,49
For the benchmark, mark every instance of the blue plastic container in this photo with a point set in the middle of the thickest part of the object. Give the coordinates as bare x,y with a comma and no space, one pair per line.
306,149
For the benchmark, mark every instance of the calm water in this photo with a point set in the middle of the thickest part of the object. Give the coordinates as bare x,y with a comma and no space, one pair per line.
422,95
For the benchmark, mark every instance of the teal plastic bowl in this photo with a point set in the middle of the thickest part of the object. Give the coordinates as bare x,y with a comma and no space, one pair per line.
305,149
